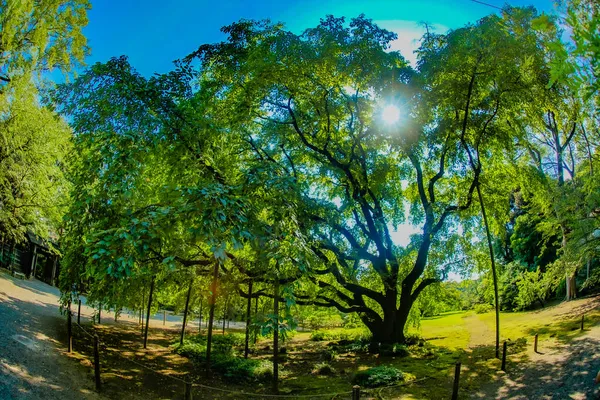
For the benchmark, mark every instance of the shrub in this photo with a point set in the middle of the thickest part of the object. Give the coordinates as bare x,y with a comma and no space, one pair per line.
483,308
396,349
224,362
378,376
318,336
323,369
330,355
194,351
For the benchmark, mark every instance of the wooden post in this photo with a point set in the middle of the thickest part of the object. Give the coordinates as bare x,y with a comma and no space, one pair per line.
188,391
164,317
99,313
96,362
79,313
355,392
535,343
69,329
456,381
582,319
248,307
504,357
148,312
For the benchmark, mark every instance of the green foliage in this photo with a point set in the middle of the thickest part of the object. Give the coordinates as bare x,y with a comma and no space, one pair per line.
483,308
355,334
224,362
37,36
533,287
265,154
378,376
223,344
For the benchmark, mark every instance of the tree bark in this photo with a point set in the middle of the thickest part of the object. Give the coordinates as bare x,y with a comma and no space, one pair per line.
493,262
225,313
148,312
185,311
211,315
255,314
276,337
200,317
248,307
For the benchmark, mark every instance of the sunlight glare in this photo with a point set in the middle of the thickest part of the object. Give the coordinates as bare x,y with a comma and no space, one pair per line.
390,114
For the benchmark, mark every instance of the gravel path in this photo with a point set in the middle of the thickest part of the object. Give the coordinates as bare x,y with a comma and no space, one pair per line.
559,372
32,339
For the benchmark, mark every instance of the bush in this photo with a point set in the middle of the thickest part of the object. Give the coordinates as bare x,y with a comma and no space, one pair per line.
323,369
378,376
396,349
330,355
317,336
224,362
483,308
194,351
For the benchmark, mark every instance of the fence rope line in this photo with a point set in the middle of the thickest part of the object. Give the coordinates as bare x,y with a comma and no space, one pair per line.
294,396
382,388
84,330
331,395
149,368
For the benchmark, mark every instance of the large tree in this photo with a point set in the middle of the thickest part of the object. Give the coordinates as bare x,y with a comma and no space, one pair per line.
310,104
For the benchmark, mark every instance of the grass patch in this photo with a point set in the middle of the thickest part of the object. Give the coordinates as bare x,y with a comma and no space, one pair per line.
561,321
446,330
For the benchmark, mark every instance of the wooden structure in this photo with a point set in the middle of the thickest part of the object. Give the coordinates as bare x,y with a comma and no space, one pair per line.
32,258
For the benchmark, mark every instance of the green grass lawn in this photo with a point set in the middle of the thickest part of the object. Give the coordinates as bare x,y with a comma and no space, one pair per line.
446,330
561,321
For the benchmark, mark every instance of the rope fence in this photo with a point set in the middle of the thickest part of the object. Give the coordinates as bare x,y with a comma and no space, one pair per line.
355,392
189,385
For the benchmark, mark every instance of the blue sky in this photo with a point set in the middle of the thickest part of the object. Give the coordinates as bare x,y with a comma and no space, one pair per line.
153,33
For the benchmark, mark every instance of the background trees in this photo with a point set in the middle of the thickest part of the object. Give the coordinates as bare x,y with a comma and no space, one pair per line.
37,37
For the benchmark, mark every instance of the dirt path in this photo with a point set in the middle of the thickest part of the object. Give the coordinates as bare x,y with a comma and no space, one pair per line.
560,371
31,342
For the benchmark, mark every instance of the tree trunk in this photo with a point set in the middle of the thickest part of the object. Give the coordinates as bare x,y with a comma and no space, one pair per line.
224,314
211,315
570,284
148,312
276,337
142,306
185,311
200,317
248,307
493,262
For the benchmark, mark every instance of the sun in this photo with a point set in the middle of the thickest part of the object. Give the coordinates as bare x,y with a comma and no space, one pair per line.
390,114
